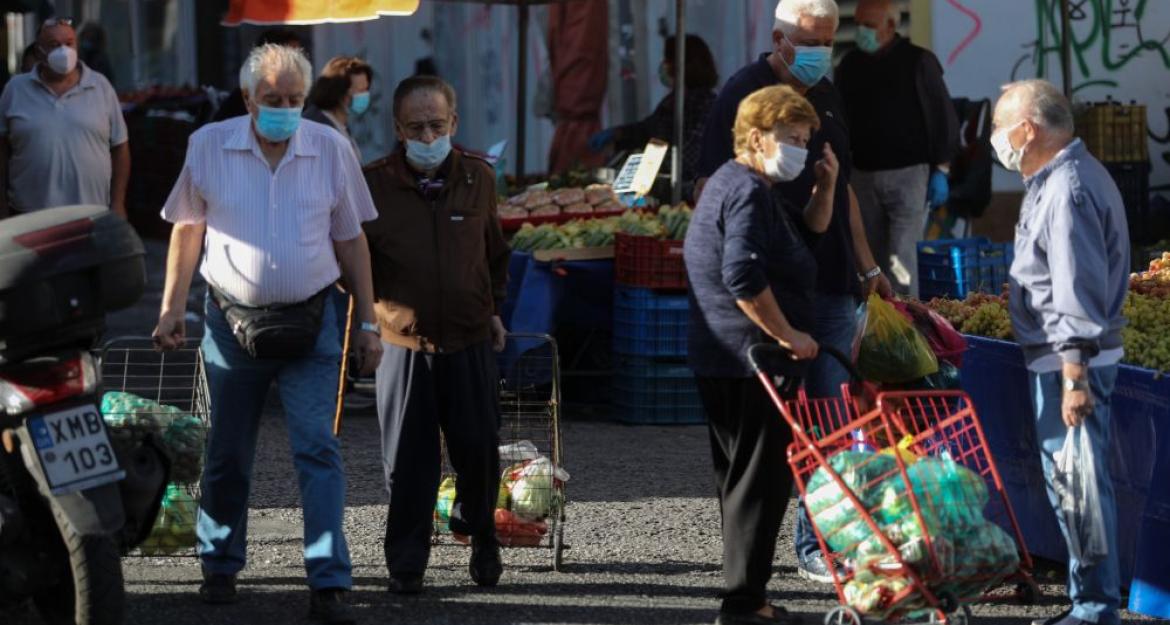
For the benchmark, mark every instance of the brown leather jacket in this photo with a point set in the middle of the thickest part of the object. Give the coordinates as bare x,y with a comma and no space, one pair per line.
441,267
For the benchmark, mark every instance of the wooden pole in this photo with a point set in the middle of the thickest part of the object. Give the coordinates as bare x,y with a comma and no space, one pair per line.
344,369
522,92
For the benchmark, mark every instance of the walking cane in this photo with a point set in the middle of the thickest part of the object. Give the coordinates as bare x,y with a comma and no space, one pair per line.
344,369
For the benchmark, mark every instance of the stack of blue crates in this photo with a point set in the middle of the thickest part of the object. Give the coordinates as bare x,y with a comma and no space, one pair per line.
955,267
652,383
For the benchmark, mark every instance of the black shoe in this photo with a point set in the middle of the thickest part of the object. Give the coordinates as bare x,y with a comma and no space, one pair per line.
328,606
780,616
815,568
405,584
218,589
485,566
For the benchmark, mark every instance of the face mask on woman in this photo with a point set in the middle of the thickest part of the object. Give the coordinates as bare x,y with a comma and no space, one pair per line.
786,164
360,103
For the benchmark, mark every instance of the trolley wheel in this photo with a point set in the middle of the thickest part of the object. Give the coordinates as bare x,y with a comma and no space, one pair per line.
1027,593
842,615
961,617
948,603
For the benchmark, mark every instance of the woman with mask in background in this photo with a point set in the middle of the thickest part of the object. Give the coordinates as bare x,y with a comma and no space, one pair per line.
700,79
752,276
341,91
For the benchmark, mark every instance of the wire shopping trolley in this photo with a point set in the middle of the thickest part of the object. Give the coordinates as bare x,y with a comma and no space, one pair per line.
163,395
530,508
905,497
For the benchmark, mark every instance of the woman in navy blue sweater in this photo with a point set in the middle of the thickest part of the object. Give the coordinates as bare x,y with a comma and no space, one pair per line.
752,276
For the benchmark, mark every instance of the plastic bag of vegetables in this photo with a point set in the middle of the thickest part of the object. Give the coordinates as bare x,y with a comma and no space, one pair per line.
131,419
893,350
534,493
174,528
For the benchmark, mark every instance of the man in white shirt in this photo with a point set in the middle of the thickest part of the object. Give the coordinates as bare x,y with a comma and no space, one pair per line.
277,203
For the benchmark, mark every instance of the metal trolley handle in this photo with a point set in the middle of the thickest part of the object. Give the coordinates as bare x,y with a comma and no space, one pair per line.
757,352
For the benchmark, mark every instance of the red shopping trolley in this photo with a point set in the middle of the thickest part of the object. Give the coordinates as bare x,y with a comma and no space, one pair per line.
905,497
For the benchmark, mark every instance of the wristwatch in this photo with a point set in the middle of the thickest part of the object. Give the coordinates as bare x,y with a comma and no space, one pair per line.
1075,385
370,327
869,275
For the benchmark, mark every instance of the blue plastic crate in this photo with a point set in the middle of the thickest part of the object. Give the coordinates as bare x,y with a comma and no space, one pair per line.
956,267
647,323
649,392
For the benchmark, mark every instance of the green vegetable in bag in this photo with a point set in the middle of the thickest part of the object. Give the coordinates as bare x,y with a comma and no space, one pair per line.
534,493
892,349
132,419
174,528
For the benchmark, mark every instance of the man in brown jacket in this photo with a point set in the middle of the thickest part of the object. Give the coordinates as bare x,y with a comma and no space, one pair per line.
440,271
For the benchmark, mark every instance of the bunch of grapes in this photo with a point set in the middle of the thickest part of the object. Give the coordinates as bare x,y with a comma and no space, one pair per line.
1155,281
1146,341
990,319
953,310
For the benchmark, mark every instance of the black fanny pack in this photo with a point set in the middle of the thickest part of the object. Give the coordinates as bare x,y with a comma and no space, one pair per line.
277,332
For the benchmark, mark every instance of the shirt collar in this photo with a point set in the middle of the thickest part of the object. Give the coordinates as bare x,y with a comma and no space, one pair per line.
1071,152
87,80
244,139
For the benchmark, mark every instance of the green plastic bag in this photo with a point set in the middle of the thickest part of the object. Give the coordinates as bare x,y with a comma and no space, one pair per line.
131,419
174,528
893,351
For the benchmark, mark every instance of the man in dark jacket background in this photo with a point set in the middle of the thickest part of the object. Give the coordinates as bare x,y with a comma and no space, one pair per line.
440,272
904,133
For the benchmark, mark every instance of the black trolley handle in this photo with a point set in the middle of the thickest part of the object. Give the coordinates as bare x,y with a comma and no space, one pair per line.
755,353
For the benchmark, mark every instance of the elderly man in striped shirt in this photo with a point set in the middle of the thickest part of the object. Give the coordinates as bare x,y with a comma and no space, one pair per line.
277,203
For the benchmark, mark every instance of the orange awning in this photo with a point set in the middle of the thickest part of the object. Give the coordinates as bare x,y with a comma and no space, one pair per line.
302,12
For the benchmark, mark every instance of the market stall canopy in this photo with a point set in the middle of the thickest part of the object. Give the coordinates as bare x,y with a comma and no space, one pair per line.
303,12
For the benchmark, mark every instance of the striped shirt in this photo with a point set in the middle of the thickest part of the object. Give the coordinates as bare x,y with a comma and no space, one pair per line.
269,234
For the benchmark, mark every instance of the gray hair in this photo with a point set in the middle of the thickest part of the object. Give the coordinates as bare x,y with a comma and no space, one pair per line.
273,59
1040,102
789,12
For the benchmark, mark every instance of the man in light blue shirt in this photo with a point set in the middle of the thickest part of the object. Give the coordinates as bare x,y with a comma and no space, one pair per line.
1068,283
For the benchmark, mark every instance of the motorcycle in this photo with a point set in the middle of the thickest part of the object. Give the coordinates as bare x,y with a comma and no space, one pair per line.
71,502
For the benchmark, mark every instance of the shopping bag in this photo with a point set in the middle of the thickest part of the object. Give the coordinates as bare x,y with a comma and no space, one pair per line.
1075,481
860,318
893,350
947,343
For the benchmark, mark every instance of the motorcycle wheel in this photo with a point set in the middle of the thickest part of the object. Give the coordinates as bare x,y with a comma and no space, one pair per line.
92,591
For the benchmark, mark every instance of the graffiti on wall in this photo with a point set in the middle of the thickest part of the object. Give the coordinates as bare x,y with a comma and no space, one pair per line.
1107,37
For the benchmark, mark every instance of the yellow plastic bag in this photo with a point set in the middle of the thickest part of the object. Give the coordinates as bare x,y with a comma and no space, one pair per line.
893,351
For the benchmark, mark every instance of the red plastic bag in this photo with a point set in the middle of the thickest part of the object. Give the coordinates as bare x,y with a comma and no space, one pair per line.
946,342
513,531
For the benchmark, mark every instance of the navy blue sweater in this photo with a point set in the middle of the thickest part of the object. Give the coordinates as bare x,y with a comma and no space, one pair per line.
741,241
837,270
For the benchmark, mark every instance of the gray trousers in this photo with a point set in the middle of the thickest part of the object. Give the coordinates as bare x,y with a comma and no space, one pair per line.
424,399
893,206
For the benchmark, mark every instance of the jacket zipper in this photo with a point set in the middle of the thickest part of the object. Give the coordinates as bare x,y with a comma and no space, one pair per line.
438,276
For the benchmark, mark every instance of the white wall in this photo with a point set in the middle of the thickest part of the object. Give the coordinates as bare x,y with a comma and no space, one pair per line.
1125,54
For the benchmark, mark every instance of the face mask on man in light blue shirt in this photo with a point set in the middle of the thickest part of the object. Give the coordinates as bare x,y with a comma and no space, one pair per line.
278,124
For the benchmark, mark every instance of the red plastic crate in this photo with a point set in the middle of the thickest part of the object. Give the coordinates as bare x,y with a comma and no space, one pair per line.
649,262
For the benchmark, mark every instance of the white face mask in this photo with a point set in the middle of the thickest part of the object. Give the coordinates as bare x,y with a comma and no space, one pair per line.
62,60
787,164
428,156
1010,157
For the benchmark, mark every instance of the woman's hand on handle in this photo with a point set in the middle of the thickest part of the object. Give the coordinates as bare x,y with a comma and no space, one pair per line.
802,346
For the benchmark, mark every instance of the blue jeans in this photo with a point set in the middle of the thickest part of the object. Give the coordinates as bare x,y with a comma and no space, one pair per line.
1094,590
308,391
835,327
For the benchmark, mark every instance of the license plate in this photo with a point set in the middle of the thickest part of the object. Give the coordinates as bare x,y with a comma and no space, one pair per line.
74,450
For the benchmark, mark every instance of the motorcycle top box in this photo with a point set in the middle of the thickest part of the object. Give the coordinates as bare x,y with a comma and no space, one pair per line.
61,270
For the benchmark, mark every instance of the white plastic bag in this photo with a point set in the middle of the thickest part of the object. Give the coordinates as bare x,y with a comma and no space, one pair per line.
533,492
1075,482
860,320
519,452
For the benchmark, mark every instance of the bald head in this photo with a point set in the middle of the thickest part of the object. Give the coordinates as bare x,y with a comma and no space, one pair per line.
1038,102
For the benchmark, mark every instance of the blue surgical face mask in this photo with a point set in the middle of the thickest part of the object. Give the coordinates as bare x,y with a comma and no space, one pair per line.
360,103
811,63
278,124
867,40
428,156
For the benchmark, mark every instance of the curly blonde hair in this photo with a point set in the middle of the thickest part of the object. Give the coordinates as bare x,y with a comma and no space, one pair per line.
769,107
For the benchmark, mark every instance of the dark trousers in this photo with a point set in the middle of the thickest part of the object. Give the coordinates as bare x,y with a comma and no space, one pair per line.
419,396
749,440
